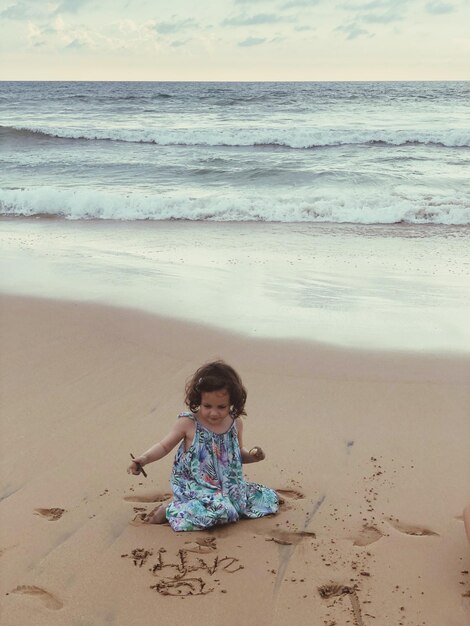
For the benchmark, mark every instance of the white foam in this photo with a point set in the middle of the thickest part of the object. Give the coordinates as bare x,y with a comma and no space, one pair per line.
366,208
300,137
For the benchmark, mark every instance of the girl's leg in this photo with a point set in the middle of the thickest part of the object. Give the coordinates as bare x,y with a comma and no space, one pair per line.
466,521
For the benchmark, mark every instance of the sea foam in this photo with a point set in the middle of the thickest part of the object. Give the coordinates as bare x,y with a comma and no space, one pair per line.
367,208
296,138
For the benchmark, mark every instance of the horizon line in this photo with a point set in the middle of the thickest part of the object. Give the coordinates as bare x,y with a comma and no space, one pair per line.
363,80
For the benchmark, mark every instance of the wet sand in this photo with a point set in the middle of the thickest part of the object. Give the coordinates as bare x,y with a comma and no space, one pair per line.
364,286
368,450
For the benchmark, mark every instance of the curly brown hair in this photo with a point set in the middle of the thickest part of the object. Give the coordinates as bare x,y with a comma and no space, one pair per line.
216,376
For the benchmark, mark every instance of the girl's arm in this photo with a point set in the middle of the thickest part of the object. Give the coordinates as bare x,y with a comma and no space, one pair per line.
248,456
162,448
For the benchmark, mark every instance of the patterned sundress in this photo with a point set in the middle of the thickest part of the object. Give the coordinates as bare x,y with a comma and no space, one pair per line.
208,483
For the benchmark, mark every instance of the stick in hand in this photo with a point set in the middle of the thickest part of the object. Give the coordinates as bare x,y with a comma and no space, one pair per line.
139,466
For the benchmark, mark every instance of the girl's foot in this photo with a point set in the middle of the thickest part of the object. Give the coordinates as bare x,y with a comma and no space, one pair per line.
158,515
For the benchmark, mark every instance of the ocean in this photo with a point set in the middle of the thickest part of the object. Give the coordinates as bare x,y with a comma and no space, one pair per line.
339,152
325,212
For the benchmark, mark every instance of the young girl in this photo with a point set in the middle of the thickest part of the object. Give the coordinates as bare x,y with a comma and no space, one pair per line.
207,477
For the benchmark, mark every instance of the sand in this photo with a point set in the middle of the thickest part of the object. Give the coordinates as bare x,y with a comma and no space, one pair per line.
369,451
362,286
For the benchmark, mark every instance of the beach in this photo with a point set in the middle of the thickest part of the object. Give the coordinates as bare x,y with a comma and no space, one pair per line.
315,236
365,446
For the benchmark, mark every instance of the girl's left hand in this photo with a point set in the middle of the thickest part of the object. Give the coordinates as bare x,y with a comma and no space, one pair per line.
257,453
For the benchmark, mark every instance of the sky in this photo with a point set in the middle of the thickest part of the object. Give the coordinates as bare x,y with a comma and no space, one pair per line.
234,40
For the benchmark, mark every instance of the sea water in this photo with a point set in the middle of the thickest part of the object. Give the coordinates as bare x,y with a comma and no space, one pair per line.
358,152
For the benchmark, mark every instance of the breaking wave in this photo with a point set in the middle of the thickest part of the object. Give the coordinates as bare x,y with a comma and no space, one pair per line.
294,138
365,208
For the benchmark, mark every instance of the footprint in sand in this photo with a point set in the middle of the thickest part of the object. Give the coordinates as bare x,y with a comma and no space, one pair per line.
285,495
366,536
149,497
201,546
407,529
291,494
333,590
286,538
47,599
50,514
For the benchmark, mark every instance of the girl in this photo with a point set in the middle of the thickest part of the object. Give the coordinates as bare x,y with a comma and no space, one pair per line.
207,477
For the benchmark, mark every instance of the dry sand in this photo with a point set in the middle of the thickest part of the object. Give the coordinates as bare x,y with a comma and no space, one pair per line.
369,451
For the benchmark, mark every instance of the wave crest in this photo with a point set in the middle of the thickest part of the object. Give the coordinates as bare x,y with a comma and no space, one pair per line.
371,208
300,138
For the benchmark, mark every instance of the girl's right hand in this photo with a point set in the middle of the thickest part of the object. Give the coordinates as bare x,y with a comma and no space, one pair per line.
134,468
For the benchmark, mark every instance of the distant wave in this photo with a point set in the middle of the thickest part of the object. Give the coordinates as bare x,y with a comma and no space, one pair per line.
294,138
217,98
110,98
368,208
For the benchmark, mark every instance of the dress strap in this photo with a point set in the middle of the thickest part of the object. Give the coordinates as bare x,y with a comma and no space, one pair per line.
187,414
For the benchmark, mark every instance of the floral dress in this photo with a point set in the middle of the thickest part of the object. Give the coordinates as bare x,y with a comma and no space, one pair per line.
208,483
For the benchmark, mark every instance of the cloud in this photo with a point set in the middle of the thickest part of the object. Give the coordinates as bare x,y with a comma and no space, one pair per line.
255,20
33,32
278,39
22,10
385,18
70,6
37,9
167,28
375,12
300,4
57,26
75,45
438,8
373,4
353,31
251,41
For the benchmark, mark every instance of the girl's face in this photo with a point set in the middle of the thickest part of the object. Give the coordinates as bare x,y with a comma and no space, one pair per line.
215,406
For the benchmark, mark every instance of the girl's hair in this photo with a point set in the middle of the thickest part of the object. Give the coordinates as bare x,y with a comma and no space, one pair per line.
216,376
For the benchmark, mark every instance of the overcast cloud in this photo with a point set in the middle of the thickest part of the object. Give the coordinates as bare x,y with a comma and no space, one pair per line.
235,40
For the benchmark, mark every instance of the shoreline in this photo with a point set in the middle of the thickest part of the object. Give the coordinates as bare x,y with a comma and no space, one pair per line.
6,217
379,287
442,360
366,448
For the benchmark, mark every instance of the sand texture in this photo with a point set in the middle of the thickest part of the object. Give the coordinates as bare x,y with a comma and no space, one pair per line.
368,450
